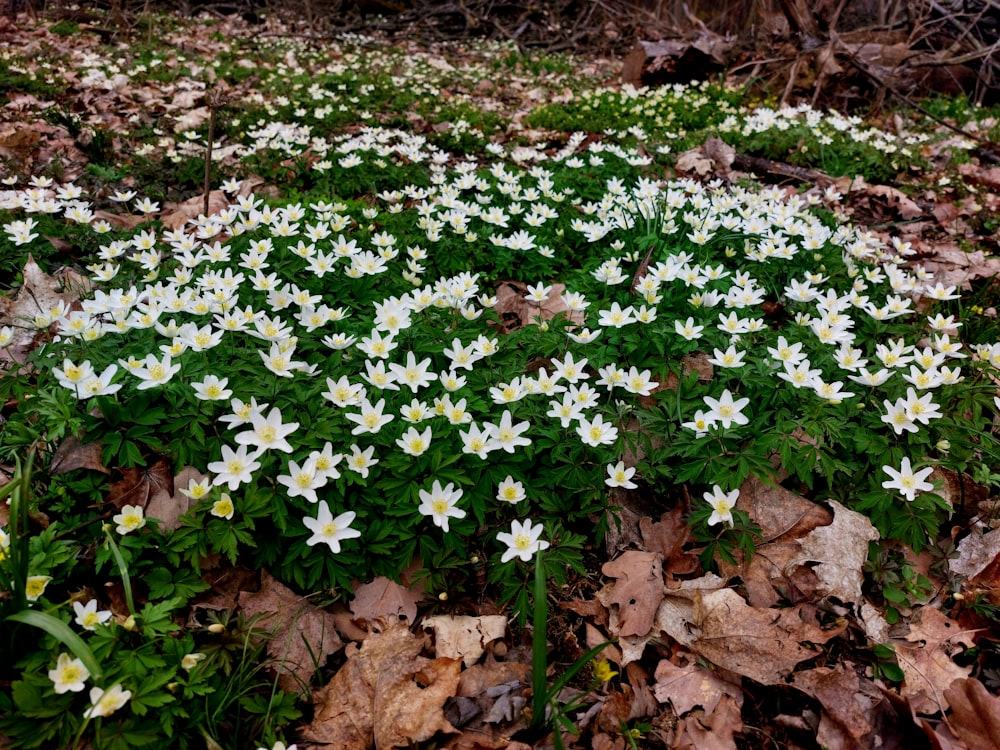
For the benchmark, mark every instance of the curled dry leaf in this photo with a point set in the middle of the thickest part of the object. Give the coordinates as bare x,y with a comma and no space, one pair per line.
763,644
39,293
516,311
975,553
848,704
386,693
840,550
384,599
304,635
169,506
667,538
465,638
73,454
691,686
139,484
637,590
975,716
175,216
926,660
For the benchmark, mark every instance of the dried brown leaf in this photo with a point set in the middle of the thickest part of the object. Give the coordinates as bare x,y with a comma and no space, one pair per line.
463,637
304,635
691,686
138,484
175,216
637,590
73,454
975,714
667,538
386,693
384,599
926,660
780,512
760,643
840,550
975,553
169,506
714,731
848,703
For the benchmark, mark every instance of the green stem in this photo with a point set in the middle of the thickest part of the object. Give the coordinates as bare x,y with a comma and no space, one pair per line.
539,653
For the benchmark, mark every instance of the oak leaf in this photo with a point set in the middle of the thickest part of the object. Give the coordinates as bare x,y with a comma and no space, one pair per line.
386,693
691,686
975,714
304,635
840,550
140,483
463,637
763,644
383,598
926,659
637,590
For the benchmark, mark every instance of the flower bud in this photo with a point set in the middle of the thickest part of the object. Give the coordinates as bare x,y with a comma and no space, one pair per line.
129,623
443,596
943,446
216,627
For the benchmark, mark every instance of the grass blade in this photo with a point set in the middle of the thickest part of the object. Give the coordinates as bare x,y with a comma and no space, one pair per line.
62,633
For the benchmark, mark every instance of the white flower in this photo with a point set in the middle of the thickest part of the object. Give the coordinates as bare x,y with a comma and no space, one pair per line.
510,491
596,431
88,616
69,675
130,519
907,481
619,476
212,388
440,503
413,442
523,541
329,530
236,467
725,411
722,505
507,435
106,702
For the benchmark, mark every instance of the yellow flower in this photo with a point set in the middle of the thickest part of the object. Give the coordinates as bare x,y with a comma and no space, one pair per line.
603,671
223,507
35,586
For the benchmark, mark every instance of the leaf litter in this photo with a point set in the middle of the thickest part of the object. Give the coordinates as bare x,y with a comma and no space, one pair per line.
691,646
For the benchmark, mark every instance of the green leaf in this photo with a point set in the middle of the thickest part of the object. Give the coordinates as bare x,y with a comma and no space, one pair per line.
62,633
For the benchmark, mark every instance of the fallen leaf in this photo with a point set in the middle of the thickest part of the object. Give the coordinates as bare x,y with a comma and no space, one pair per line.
516,311
667,538
73,454
897,200
840,550
385,693
975,553
39,293
714,731
463,637
780,512
691,686
694,160
975,714
303,634
139,483
847,703
175,216
385,599
169,506
760,643
637,590
926,659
